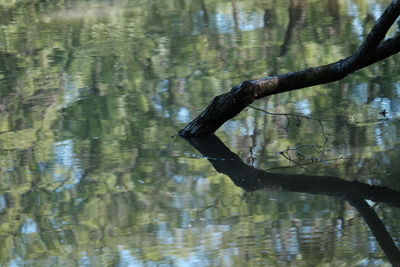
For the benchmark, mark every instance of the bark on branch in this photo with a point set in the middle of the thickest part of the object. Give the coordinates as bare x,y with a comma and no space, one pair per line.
226,106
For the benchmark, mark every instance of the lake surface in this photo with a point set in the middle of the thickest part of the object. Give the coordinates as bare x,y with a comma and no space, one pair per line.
92,172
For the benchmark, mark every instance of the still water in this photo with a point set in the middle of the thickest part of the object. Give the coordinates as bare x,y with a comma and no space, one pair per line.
92,172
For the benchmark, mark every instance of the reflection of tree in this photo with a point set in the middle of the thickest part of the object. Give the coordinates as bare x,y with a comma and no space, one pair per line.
296,19
356,193
104,85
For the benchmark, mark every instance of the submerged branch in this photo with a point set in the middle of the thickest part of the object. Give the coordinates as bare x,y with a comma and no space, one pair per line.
252,179
356,193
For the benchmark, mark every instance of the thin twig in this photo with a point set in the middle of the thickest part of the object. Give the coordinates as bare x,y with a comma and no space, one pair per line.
303,164
298,116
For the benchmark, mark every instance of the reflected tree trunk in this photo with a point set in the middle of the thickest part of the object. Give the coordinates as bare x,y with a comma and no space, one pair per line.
333,9
296,19
226,106
356,193
205,12
235,14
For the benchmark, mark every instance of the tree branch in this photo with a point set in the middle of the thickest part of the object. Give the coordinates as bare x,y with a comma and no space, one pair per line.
228,105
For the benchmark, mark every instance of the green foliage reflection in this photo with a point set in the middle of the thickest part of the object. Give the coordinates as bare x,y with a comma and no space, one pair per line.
92,91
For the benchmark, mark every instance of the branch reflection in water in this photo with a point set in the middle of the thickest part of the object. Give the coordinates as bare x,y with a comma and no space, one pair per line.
356,193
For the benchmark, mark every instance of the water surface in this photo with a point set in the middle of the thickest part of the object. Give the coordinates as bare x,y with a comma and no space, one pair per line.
92,173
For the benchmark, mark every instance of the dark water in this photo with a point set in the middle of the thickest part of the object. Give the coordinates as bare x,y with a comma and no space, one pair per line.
92,173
